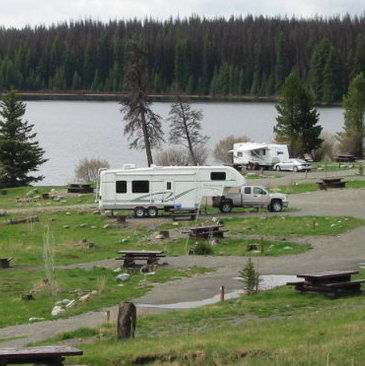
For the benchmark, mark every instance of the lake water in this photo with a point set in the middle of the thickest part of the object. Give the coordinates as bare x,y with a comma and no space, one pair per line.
71,131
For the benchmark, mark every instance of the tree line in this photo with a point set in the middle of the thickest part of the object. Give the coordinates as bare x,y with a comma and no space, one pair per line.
236,56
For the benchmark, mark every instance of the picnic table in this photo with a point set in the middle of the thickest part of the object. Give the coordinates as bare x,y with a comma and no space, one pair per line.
43,355
325,183
205,232
330,283
130,257
183,214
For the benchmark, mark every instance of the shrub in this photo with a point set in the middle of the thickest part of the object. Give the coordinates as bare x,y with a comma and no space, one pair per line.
87,169
202,248
250,278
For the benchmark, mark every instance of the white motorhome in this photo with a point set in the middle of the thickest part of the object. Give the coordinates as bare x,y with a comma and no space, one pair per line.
147,190
255,155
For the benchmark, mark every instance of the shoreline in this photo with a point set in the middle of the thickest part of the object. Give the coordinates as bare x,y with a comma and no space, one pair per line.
111,97
106,96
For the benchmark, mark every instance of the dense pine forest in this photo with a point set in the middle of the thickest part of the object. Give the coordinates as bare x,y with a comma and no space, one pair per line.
248,56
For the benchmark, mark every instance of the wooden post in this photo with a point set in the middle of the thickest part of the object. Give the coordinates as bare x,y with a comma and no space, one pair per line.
127,320
107,313
222,293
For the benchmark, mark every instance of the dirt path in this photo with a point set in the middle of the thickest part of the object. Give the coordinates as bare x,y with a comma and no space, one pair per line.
344,251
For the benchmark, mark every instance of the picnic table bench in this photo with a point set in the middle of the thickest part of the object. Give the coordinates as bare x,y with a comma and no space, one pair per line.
331,183
43,355
344,158
330,283
80,188
183,214
130,257
205,232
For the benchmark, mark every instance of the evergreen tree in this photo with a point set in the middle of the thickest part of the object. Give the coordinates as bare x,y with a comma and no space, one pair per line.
20,154
142,123
297,121
185,127
354,127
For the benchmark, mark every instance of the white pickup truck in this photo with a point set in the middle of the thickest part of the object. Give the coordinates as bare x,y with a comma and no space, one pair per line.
251,196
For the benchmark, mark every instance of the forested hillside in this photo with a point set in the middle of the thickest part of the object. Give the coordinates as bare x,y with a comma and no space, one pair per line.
239,56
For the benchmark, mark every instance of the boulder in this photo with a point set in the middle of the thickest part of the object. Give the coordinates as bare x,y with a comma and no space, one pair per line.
123,277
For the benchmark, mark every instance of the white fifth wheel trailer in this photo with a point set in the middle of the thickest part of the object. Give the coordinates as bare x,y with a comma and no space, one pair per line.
147,190
255,155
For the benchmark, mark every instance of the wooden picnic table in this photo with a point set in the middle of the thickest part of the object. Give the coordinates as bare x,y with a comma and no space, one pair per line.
325,183
183,214
42,355
130,256
205,232
330,283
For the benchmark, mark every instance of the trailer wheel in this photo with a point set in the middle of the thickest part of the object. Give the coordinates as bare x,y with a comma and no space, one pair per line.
152,212
139,212
226,207
276,206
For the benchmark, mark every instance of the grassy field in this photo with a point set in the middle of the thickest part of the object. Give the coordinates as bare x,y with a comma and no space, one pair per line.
276,327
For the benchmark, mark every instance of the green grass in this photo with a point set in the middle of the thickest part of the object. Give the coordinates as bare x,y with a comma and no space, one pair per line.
239,247
20,197
276,327
13,284
285,225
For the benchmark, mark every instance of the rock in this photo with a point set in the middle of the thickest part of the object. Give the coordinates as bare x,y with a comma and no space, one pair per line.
117,270
66,226
94,292
3,213
35,319
123,277
71,304
93,227
91,245
57,310
85,297
84,225
68,213
27,297
32,192
107,226
65,302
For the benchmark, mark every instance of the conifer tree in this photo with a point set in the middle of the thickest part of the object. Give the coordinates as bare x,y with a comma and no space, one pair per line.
354,128
298,118
20,154
142,124
185,127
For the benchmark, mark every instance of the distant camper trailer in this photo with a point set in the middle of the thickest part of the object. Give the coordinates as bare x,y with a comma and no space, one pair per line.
147,190
254,155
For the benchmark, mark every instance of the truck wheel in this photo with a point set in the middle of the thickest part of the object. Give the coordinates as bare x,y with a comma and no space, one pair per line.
225,207
278,168
276,206
139,212
152,212
295,169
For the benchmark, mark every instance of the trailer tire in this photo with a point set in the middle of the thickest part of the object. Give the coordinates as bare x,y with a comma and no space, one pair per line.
139,212
226,207
152,211
276,206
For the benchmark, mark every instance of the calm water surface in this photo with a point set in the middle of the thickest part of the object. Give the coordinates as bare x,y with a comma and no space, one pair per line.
71,131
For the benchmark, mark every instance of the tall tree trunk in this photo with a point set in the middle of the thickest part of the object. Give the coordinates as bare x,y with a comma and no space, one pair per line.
147,143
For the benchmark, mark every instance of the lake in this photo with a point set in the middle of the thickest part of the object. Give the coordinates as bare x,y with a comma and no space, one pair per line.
70,131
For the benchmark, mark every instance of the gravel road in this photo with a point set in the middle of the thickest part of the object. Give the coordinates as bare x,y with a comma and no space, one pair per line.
345,251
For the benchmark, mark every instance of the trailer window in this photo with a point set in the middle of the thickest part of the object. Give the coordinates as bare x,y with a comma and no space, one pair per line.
140,186
168,185
121,186
217,176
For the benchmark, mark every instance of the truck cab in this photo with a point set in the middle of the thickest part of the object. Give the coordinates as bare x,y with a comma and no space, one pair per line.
251,196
